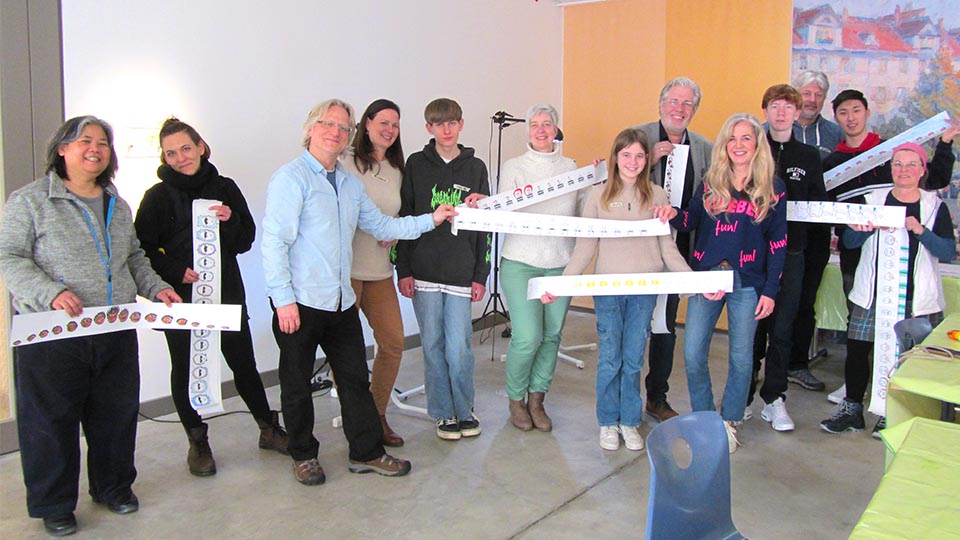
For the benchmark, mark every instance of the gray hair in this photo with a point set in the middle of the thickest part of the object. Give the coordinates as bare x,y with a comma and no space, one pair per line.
684,82
320,110
69,132
543,108
811,76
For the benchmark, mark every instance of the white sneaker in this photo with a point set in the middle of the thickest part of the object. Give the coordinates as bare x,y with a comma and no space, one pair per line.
610,437
837,395
776,414
747,414
631,438
731,436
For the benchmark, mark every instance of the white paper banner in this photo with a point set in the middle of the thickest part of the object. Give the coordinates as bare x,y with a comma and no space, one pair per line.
882,153
648,283
51,325
499,221
546,189
676,173
205,376
890,305
847,213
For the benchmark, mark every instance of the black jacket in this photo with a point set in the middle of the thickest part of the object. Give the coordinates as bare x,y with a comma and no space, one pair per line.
800,168
165,229
439,256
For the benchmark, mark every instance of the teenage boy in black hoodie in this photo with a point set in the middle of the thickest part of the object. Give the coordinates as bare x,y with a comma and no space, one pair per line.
443,273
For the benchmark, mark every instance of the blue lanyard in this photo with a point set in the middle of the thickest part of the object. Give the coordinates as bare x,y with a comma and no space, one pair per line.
93,232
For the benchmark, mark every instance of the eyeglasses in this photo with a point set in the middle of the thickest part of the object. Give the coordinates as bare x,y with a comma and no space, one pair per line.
910,165
330,125
676,102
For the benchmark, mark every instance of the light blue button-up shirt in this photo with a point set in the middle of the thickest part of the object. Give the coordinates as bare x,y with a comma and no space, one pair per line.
308,233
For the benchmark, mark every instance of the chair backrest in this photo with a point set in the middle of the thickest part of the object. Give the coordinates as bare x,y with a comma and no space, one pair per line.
690,502
910,332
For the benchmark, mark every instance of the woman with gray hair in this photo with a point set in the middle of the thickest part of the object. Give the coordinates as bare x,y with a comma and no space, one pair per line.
532,357
67,241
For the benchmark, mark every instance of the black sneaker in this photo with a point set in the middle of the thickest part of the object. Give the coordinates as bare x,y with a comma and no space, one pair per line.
805,379
470,427
448,429
881,424
849,417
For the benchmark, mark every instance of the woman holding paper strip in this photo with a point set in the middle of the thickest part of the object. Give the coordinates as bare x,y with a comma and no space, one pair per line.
930,236
165,228
377,161
532,357
623,321
67,242
741,226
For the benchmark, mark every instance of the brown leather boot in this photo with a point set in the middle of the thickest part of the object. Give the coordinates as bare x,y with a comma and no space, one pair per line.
390,438
200,456
519,416
539,416
272,434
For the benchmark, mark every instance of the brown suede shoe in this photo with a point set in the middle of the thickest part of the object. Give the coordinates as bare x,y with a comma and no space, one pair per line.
385,465
537,413
309,472
272,434
390,437
661,411
200,457
520,416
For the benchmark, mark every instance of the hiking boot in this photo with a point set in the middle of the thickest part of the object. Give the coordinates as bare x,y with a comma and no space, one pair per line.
537,413
848,417
272,434
880,425
632,438
390,437
448,429
660,410
805,379
470,427
200,456
309,472
776,414
520,416
610,437
732,440
385,465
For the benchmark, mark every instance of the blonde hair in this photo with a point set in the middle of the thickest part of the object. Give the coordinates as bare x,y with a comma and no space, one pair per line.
319,111
719,181
614,183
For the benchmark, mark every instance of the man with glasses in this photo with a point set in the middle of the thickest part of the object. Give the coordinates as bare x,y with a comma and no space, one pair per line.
679,101
313,209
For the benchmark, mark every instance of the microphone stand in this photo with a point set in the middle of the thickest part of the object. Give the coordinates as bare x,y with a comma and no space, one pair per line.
495,305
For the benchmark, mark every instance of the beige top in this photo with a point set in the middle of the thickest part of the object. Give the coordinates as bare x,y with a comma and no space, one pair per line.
639,254
371,262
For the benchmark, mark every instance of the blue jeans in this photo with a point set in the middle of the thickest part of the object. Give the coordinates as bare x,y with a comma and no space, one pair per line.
623,323
445,333
702,315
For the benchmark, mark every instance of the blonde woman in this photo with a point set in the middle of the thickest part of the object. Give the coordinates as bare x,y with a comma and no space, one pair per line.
741,225
623,321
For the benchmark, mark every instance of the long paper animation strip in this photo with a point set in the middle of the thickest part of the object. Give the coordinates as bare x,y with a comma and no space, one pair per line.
50,325
847,213
648,283
546,189
472,219
882,153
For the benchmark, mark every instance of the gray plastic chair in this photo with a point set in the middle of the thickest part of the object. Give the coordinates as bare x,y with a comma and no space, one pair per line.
910,332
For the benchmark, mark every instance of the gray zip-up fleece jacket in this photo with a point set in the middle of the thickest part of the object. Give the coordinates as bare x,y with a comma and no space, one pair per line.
50,241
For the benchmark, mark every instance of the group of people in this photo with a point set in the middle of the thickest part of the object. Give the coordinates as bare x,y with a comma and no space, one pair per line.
337,223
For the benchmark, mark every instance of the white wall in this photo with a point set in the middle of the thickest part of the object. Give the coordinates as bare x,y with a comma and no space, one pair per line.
246,73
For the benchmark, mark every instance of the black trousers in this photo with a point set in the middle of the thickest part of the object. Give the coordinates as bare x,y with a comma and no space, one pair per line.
340,336
237,348
815,259
93,382
774,335
661,354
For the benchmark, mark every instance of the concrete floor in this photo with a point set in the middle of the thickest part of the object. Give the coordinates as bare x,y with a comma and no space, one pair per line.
503,484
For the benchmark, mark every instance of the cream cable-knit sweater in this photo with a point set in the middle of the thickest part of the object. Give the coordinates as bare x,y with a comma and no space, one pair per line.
529,168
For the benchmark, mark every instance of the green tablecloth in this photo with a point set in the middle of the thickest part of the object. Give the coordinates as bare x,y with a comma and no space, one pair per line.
918,496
